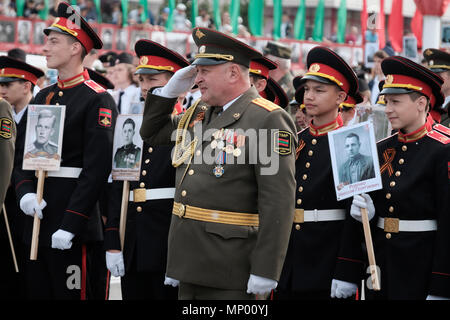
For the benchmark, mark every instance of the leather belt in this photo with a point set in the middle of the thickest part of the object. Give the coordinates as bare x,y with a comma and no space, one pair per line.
395,225
209,215
65,172
315,215
142,194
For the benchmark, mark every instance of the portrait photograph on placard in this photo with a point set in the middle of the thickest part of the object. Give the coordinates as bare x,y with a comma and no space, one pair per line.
354,160
43,138
127,147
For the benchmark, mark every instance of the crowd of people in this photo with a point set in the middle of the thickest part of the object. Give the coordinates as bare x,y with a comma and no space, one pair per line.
261,220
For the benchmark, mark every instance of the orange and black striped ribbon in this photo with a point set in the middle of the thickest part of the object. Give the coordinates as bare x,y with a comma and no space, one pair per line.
388,156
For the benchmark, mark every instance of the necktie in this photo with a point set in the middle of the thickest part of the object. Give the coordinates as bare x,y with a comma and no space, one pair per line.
215,113
119,105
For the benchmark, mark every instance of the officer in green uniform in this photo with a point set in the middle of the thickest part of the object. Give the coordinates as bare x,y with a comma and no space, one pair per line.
7,142
439,62
129,154
235,185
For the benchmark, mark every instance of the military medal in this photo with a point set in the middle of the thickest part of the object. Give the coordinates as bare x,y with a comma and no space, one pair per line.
237,152
218,170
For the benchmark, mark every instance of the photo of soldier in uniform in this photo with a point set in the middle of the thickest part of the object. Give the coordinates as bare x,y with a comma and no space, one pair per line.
354,160
43,139
127,147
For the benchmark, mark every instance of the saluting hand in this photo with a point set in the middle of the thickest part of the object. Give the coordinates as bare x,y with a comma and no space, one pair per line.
181,81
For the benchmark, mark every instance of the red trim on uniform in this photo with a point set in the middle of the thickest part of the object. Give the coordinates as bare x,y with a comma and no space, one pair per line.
441,273
108,279
403,81
430,122
350,260
74,81
19,73
413,136
80,214
323,130
357,294
22,182
111,229
76,31
83,273
263,70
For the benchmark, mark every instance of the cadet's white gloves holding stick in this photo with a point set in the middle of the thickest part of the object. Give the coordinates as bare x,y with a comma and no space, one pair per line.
342,289
260,285
30,205
114,263
181,81
362,201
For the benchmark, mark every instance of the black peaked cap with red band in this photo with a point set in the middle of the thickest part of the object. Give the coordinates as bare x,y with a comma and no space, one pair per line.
352,100
13,70
215,48
101,80
155,58
438,60
262,66
326,66
276,94
69,22
406,76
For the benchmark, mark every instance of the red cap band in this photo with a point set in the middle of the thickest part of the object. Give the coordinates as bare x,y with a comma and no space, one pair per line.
259,69
18,73
74,30
325,71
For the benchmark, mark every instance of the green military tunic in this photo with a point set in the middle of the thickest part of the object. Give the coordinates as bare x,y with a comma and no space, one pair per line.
7,146
217,254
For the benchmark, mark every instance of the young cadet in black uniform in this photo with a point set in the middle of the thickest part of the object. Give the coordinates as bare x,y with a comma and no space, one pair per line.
70,216
143,265
411,229
17,81
314,263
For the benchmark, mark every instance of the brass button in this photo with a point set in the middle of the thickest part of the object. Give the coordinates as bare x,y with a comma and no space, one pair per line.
150,150
60,93
314,141
398,173
144,172
307,165
191,172
297,227
139,209
310,153
388,195
147,161
391,209
392,184
183,193
57,103
401,161
300,189
142,185
299,201
305,176
404,148
388,235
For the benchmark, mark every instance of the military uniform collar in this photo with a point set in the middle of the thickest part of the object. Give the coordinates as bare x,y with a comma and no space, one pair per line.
74,81
413,136
323,130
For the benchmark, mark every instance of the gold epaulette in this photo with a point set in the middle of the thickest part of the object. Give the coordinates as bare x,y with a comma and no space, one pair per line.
266,104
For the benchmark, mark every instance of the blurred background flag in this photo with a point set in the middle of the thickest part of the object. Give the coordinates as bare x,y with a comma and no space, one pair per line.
395,28
318,21
144,15
300,21
98,7
169,22
43,13
194,12
341,21
256,17
416,27
20,6
277,15
124,13
235,9
216,14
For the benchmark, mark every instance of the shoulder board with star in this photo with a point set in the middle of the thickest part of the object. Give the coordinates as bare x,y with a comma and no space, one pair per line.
94,86
439,137
266,104
442,129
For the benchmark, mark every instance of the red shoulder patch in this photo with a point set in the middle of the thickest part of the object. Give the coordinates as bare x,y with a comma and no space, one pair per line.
439,137
442,129
94,86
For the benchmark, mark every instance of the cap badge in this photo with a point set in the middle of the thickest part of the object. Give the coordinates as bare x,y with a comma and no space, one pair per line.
199,34
144,60
202,49
389,79
314,67
428,52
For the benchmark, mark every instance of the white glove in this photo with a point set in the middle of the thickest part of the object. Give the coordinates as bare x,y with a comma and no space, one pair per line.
431,297
62,239
114,263
260,285
29,205
362,201
342,289
181,81
171,282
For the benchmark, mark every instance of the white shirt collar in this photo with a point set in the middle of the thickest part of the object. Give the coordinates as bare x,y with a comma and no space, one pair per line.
225,107
18,116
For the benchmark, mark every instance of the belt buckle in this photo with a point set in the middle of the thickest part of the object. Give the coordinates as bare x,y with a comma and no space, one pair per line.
391,225
181,210
139,195
299,216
